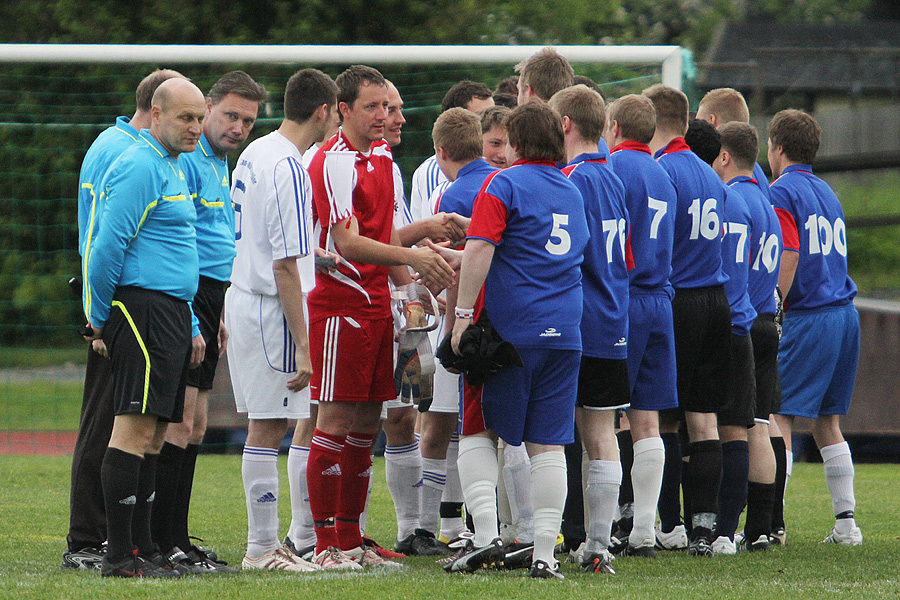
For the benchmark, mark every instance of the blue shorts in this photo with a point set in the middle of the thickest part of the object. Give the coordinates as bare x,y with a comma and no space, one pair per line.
536,402
651,352
817,360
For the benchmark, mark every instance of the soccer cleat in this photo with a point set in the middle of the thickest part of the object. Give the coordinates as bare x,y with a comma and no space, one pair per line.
518,556
136,566
577,555
621,531
86,559
700,547
183,564
486,557
382,552
162,561
279,559
307,553
724,545
778,537
332,559
853,537
745,545
207,566
644,550
421,543
366,556
458,546
541,570
599,562
676,539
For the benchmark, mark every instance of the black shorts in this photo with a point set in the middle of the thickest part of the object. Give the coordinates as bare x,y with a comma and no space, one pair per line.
702,319
741,406
207,306
764,334
148,335
603,383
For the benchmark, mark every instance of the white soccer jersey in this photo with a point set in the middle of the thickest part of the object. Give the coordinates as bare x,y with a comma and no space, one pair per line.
427,177
272,196
308,155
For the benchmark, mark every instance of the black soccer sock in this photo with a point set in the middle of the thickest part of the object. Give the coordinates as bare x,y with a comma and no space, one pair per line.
626,457
704,477
733,489
759,510
572,526
146,493
669,505
780,480
168,474
119,475
180,535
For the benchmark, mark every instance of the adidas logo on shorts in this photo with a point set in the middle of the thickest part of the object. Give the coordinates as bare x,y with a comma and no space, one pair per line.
334,470
267,497
132,499
366,473
152,497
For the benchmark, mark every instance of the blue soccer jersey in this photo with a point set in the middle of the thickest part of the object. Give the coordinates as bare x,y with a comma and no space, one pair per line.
535,217
765,245
697,245
736,261
207,178
459,197
146,236
604,325
812,223
650,200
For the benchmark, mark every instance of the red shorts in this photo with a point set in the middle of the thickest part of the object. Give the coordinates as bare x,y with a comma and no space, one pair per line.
352,359
473,419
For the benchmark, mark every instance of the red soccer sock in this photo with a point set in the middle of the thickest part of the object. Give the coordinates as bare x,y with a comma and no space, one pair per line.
356,470
323,478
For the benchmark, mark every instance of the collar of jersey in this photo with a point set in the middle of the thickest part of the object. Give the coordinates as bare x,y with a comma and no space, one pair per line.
741,179
676,145
589,157
147,137
798,167
478,163
631,145
124,125
525,161
204,145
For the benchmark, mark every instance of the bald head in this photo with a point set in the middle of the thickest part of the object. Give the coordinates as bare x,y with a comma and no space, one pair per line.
177,113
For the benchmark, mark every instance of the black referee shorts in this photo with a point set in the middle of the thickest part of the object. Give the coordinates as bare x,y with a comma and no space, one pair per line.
603,383
207,306
148,335
741,406
702,319
764,334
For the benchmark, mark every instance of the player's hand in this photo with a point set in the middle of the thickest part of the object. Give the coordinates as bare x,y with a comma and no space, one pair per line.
100,348
223,338
453,257
442,304
91,333
457,225
431,267
304,371
459,326
198,350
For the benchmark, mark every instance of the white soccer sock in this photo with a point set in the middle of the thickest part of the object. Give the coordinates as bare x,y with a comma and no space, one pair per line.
403,471
839,474
302,531
602,497
434,478
364,516
451,528
478,477
259,470
548,499
646,479
504,514
517,477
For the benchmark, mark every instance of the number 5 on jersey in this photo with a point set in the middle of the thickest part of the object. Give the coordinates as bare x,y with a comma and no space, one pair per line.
558,233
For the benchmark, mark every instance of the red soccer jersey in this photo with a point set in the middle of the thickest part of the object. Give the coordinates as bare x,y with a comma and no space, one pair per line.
356,289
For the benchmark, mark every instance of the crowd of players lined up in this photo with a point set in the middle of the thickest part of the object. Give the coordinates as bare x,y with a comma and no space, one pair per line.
617,267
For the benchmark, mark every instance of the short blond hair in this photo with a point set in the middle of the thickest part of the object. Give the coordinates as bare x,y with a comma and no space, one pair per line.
635,116
458,132
671,108
584,107
727,104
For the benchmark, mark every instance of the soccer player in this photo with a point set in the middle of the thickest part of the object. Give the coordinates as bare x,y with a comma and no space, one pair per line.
471,95
494,138
650,200
265,307
142,273
820,316
603,385
543,74
702,323
351,327
87,514
231,110
735,166
525,246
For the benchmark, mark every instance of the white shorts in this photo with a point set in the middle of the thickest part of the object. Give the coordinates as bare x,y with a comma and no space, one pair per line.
261,357
446,384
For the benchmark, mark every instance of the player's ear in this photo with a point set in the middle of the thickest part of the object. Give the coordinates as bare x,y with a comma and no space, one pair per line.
567,125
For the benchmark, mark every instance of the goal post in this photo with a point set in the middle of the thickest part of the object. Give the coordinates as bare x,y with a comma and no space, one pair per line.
668,57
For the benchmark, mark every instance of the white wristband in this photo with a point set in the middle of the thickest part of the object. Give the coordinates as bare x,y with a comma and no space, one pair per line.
464,313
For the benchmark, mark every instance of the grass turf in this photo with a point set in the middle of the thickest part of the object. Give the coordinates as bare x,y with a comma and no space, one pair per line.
34,512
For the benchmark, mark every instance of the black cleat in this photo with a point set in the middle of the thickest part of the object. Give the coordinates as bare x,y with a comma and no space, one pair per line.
86,559
600,562
518,556
541,570
136,566
643,551
486,557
